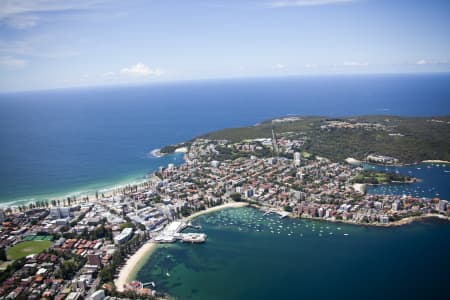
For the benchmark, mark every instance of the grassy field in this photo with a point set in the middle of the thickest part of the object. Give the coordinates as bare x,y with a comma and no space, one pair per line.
26,248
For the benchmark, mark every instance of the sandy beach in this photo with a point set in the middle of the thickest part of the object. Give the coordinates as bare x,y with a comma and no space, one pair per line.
181,150
132,265
409,220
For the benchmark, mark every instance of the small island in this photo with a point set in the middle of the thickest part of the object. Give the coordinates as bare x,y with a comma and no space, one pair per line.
375,178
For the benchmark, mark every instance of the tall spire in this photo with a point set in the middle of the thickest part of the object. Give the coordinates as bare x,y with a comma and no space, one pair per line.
274,142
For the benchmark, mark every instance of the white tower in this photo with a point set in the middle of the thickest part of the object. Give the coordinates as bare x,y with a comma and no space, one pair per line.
274,142
297,158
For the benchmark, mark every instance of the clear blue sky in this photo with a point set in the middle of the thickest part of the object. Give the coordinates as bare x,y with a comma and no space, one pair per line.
48,44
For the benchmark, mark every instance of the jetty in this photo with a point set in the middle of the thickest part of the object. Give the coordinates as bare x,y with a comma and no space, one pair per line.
152,283
282,214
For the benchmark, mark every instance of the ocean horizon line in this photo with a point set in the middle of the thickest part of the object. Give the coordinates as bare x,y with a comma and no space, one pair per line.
225,79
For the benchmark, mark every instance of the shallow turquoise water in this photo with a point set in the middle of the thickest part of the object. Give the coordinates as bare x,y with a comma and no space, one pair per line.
251,256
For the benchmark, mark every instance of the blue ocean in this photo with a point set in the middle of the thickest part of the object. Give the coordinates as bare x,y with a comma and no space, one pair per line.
73,141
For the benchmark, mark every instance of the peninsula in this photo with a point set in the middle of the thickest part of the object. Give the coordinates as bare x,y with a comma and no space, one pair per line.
88,246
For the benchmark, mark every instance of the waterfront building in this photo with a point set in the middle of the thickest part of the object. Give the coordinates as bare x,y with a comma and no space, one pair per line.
321,212
382,159
442,206
360,188
396,205
384,219
123,236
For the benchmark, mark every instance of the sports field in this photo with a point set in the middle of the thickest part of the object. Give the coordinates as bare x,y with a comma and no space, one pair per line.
26,248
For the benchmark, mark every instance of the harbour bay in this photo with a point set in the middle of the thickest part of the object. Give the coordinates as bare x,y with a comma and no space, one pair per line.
251,256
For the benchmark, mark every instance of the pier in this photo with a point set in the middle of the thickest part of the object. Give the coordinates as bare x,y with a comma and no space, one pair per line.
152,283
282,214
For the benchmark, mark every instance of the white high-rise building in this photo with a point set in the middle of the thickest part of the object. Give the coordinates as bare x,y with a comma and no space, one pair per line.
60,212
442,206
297,158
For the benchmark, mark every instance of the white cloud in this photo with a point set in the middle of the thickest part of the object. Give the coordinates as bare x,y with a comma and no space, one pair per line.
421,62
279,66
141,70
311,66
303,3
356,64
108,74
22,21
22,14
36,46
11,62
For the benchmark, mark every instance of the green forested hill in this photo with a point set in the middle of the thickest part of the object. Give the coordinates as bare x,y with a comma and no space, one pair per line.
410,139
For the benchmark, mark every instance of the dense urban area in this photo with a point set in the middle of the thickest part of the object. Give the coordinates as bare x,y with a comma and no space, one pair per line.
74,248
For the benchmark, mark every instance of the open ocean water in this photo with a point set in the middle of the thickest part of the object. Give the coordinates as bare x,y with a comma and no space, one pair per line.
71,141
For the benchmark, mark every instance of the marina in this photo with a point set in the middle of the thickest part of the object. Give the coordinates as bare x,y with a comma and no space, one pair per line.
433,181
246,248
282,214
